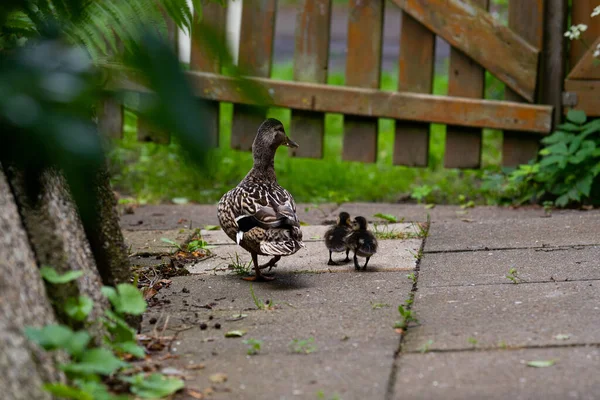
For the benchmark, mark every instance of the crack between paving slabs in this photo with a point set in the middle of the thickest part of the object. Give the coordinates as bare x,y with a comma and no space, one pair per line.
509,348
520,283
397,354
536,248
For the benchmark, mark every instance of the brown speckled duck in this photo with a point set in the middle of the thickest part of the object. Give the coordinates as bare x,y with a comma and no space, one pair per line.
336,235
258,214
362,241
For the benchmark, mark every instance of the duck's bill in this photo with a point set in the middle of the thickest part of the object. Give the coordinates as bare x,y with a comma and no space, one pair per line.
290,143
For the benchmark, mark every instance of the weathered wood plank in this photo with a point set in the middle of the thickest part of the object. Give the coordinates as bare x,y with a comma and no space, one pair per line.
526,17
415,68
466,79
586,67
311,57
257,32
581,14
553,61
587,93
110,118
363,69
372,103
213,19
477,34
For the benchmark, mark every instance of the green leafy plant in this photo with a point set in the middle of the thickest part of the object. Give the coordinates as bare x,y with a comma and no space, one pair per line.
387,217
254,346
239,267
425,347
89,365
472,340
303,346
172,243
377,306
423,193
412,277
406,318
567,172
261,305
513,276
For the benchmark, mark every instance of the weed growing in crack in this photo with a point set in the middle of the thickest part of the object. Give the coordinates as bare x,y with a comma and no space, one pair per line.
303,346
407,317
254,346
471,340
425,347
514,277
377,306
383,232
418,255
412,277
321,396
261,305
238,267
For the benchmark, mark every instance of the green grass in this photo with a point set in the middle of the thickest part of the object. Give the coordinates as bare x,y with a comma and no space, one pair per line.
157,173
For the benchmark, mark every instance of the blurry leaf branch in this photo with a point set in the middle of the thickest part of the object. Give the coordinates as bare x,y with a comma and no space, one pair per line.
54,57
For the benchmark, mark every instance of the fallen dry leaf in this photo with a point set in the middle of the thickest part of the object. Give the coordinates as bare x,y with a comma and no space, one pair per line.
195,366
195,394
219,377
149,293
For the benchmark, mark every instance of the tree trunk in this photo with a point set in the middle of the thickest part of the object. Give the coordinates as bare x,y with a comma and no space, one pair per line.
24,367
58,240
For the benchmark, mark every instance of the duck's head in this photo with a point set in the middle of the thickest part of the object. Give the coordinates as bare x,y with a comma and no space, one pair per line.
344,219
270,136
359,224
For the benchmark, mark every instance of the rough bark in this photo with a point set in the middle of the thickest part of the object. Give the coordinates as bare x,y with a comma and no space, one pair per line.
24,367
105,236
58,240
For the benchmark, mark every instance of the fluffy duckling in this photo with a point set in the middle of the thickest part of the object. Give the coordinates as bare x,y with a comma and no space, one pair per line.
362,241
335,235
258,214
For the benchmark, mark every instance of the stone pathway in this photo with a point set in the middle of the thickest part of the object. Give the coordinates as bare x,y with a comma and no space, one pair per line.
476,329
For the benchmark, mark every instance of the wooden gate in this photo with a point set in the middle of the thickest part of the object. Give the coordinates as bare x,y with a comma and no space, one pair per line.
479,42
582,86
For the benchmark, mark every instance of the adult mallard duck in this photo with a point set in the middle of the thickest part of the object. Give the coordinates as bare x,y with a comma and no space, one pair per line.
362,241
335,237
258,214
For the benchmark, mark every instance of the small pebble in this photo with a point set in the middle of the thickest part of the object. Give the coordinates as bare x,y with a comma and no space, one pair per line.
210,317
153,320
203,326
217,326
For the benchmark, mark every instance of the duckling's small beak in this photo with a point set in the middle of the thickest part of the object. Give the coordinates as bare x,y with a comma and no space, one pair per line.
290,143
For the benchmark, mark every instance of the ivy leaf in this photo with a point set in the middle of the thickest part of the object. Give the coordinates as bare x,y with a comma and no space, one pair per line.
541,363
153,386
79,308
95,361
50,337
78,343
117,326
52,276
132,300
67,392
577,116
130,348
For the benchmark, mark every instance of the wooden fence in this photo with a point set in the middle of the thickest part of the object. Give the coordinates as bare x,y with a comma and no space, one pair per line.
528,56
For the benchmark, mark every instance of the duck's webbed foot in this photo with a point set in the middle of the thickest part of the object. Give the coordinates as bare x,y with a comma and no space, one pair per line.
259,276
331,262
271,263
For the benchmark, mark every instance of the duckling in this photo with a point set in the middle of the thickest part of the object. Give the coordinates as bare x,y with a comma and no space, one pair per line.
258,214
334,237
362,241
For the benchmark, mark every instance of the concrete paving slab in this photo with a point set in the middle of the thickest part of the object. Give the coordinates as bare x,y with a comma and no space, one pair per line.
526,314
499,375
418,212
581,228
312,233
491,267
393,255
171,216
350,317
150,241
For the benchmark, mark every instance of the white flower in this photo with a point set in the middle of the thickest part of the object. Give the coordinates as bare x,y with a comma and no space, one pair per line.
574,31
597,52
596,11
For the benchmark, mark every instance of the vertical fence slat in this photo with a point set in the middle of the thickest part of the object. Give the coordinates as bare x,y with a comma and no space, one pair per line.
146,132
311,57
525,17
581,14
257,34
110,118
466,79
554,56
363,69
415,66
214,18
